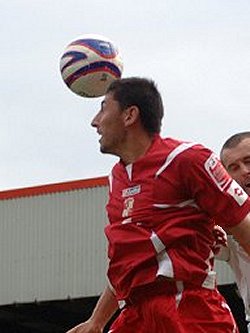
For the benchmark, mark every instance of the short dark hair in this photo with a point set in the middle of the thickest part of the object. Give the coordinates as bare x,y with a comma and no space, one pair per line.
144,94
235,139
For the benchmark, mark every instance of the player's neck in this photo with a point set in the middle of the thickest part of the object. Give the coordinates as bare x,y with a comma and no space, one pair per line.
135,147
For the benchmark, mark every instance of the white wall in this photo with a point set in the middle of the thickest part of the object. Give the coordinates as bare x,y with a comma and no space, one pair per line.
53,246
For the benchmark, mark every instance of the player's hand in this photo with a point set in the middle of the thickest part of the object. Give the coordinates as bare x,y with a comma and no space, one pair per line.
86,327
220,238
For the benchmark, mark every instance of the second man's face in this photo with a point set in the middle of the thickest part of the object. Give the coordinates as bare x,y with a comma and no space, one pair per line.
237,162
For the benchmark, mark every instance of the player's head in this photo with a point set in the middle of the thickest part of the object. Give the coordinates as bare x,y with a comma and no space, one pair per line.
144,94
235,156
132,109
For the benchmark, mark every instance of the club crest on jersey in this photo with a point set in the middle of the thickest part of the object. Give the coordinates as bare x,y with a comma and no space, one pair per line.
127,192
237,193
128,207
217,172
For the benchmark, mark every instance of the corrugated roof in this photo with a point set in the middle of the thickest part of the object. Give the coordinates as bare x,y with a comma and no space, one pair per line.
53,188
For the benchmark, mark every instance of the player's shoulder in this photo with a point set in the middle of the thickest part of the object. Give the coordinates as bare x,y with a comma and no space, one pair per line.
186,149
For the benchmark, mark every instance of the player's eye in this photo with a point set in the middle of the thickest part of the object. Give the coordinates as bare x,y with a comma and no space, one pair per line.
102,106
233,168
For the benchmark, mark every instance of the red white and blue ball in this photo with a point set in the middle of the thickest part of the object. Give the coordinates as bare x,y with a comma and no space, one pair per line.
89,64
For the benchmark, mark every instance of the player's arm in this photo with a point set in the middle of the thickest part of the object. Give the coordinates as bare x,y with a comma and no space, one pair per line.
104,310
241,233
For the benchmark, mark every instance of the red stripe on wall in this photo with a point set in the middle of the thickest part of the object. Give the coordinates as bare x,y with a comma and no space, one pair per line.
52,188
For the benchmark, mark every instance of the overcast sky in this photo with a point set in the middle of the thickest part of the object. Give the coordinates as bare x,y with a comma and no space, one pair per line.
198,52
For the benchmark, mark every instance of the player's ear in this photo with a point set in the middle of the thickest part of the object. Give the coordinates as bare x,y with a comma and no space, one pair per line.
131,115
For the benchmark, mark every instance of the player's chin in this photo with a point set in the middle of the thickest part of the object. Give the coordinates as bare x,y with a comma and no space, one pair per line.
102,146
104,149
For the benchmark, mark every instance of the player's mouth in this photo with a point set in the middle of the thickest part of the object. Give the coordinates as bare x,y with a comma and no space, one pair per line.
100,135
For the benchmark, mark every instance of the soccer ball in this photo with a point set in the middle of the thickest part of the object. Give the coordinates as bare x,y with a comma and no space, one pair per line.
89,64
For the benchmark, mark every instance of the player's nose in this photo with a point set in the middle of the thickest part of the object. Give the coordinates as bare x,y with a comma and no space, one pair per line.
94,122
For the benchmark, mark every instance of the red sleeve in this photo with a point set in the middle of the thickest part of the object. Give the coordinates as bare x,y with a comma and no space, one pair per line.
212,188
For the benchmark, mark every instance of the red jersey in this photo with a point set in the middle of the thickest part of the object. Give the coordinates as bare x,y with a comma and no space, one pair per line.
160,211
